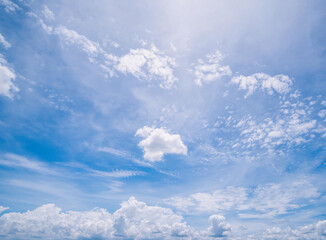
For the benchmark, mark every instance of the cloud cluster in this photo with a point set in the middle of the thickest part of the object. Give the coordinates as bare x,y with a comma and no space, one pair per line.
133,220
295,122
7,77
264,201
145,64
158,141
211,69
278,83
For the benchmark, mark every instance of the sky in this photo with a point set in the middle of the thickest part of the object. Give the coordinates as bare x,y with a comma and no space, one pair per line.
162,119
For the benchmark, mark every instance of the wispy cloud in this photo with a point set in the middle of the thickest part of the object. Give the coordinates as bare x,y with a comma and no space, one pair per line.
17,161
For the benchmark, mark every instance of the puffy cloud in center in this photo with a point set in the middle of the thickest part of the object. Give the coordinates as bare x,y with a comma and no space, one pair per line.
158,141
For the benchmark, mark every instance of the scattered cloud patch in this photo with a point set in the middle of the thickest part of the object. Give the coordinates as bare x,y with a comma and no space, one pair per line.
211,69
9,6
117,173
71,37
150,64
2,209
7,76
158,141
4,42
278,83
47,13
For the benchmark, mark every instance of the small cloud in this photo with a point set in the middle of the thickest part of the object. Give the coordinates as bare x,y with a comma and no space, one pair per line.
47,13
7,76
4,42
211,69
2,209
157,142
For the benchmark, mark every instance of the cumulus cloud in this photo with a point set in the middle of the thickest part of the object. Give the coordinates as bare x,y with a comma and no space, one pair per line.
134,220
149,64
7,76
158,141
218,226
211,69
4,42
278,83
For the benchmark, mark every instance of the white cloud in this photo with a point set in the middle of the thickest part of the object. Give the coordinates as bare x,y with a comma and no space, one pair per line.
211,69
73,38
47,13
293,123
4,42
278,83
2,209
150,64
145,64
308,232
114,151
7,75
264,201
322,113
134,220
157,142
117,173
9,5
219,227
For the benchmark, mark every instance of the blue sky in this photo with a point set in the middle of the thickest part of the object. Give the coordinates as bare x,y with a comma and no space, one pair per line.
162,119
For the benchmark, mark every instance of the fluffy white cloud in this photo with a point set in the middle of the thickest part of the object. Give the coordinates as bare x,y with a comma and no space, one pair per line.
278,83
4,42
211,69
7,76
149,64
265,201
157,142
218,226
134,220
